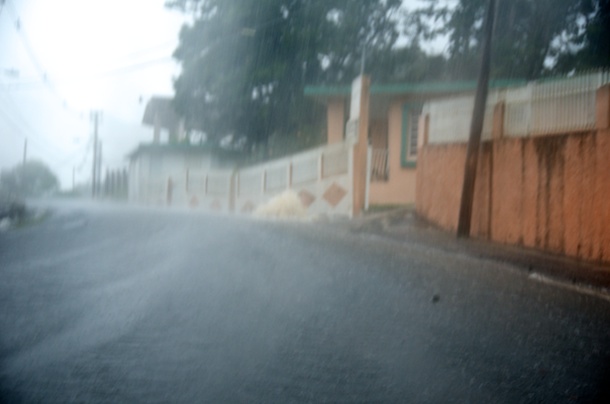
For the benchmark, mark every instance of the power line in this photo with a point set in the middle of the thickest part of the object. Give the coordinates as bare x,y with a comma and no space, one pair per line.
43,144
18,25
44,79
108,73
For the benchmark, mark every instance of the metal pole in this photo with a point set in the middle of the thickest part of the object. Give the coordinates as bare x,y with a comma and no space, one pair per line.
369,160
476,127
95,117
25,150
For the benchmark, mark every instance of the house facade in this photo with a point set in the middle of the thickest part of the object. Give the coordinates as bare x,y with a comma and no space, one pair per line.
394,111
177,172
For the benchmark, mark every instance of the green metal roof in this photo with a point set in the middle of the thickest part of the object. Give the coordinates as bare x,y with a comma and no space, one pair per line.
434,87
323,91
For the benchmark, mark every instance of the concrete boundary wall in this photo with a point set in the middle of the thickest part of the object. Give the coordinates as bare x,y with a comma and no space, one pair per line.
549,192
210,190
322,178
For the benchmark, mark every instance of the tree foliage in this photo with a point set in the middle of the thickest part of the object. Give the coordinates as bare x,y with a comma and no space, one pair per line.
589,42
32,179
531,37
245,63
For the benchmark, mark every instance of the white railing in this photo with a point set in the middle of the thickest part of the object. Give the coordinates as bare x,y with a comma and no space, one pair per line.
553,106
540,108
379,165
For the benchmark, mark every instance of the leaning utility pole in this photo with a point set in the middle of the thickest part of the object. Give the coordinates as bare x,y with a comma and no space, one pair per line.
476,127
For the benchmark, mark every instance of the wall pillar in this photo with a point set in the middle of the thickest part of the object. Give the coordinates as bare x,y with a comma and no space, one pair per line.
361,148
497,128
602,104
335,120
423,127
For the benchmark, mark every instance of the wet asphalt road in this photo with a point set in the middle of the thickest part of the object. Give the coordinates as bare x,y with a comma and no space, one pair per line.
110,305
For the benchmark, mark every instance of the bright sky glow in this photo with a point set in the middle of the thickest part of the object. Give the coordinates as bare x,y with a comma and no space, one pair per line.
60,59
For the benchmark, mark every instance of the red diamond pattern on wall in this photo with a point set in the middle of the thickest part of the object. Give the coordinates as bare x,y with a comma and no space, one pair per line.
307,198
334,194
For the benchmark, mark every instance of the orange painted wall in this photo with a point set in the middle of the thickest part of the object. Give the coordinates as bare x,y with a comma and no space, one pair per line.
550,193
400,187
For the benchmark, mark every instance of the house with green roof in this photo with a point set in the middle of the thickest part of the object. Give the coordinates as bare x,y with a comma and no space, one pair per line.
394,111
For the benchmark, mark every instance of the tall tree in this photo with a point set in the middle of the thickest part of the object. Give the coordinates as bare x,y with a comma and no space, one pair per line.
587,45
34,178
530,39
245,62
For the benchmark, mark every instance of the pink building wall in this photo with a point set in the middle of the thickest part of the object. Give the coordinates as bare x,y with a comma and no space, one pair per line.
400,187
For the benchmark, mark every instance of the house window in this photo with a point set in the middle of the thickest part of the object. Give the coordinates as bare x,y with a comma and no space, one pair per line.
410,122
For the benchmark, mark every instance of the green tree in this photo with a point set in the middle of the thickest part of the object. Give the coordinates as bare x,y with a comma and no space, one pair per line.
245,62
30,180
588,45
532,38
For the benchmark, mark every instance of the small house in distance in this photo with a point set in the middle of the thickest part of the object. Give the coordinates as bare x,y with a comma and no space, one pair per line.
394,111
160,114
173,172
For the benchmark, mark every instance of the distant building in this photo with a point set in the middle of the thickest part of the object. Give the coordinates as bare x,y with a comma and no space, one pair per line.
160,114
161,173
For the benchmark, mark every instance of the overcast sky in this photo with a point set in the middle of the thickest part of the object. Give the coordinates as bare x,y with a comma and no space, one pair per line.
96,54
60,59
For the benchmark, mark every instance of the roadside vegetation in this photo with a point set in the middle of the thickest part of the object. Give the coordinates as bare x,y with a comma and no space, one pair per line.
245,63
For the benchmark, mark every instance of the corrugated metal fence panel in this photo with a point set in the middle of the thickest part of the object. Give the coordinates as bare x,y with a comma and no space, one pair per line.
544,107
517,111
564,105
553,106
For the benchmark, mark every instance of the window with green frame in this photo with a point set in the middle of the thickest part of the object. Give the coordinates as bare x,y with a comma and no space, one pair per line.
410,121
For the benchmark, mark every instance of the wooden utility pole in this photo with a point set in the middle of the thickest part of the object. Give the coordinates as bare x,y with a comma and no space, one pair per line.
476,126
25,151
95,117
